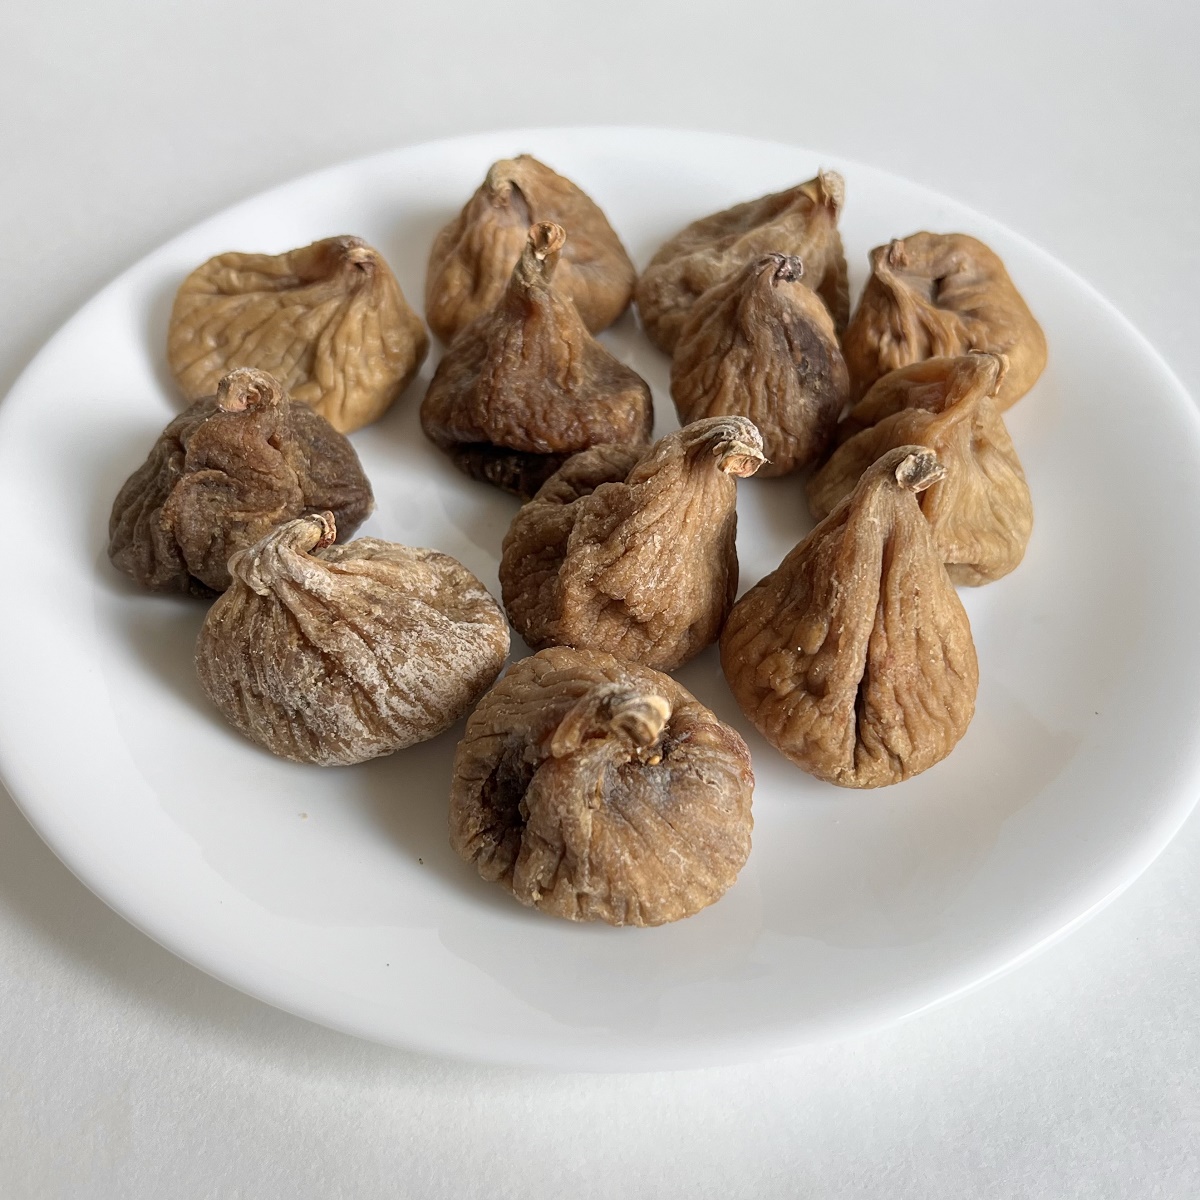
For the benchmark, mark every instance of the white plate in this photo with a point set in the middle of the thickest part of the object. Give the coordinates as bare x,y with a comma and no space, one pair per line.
335,895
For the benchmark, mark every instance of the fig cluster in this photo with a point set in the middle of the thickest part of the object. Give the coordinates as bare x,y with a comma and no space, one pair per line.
588,782
854,658
320,652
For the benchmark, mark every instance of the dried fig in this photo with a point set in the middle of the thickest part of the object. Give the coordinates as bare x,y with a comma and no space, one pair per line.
473,256
328,321
597,790
981,513
935,295
761,345
221,475
526,386
633,553
854,658
336,654
801,221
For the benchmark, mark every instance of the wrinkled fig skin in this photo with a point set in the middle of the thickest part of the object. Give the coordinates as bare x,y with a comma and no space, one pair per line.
475,254
633,553
597,790
981,513
328,321
333,655
221,475
938,295
526,385
854,657
801,221
762,345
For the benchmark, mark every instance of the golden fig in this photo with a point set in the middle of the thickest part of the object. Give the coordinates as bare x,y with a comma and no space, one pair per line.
981,513
221,475
762,345
935,295
854,658
333,655
633,553
473,256
801,221
597,790
328,321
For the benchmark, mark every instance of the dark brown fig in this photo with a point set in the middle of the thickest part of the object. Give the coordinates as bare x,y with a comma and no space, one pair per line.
633,552
939,295
761,345
335,654
801,221
526,385
981,513
854,658
329,321
597,790
473,256
221,475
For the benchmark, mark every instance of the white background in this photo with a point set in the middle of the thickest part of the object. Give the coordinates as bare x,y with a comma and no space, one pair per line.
125,1073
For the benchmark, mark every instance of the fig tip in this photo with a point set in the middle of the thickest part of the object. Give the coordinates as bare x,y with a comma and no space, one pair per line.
918,469
246,388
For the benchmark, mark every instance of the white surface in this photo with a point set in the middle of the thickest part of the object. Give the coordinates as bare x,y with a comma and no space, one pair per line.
127,1074
335,895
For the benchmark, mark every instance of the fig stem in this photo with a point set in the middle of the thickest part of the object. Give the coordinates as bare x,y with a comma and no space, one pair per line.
739,459
896,254
607,710
328,530
535,268
498,182
833,188
919,469
788,267
258,565
1001,361
735,443
358,254
247,388
546,238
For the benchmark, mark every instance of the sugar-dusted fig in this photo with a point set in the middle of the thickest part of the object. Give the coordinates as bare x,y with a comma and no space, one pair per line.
854,658
334,654
762,345
981,513
473,256
935,295
801,221
598,790
221,475
526,385
328,321
633,553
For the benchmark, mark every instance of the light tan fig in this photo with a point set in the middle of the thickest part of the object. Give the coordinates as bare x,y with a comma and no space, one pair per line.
473,256
633,553
221,475
981,513
762,345
328,321
938,295
854,658
597,790
526,385
333,655
801,221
